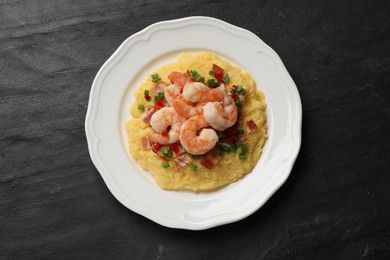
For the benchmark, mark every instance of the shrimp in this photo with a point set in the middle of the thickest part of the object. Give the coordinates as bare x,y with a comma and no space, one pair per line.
174,97
170,93
197,143
197,92
221,115
190,102
179,78
187,97
185,108
163,119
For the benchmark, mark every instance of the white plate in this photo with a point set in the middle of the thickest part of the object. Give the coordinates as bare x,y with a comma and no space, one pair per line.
112,93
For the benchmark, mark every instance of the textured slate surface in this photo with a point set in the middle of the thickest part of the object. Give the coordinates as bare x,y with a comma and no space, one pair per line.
54,204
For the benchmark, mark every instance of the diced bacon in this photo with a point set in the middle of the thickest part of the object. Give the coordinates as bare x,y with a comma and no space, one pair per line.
211,159
147,115
145,143
251,125
207,163
182,161
158,88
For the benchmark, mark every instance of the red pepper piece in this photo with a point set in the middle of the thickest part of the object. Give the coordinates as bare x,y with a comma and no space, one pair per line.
174,148
165,134
159,104
218,71
147,97
156,146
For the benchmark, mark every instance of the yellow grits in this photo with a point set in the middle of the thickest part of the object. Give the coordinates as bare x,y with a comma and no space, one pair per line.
230,168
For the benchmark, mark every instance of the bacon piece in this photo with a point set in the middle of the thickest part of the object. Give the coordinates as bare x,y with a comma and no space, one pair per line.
218,71
147,115
180,150
207,163
251,125
145,143
158,88
211,159
183,160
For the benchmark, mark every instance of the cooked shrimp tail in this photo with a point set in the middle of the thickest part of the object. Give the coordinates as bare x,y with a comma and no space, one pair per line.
195,137
166,125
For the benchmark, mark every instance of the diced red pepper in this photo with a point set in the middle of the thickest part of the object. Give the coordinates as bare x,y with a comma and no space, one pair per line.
231,131
233,138
159,104
165,134
156,146
174,148
147,97
234,87
218,71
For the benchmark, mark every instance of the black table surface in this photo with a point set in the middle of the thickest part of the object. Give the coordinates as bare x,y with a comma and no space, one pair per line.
335,204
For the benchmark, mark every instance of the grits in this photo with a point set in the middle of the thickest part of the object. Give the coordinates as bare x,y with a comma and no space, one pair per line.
230,168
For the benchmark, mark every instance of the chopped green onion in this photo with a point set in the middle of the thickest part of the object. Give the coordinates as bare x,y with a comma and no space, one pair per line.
212,73
226,147
168,153
241,131
244,148
238,102
220,151
141,107
164,151
155,77
233,146
239,89
166,165
146,92
212,82
238,142
196,75
242,156
226,78
159,96
194,167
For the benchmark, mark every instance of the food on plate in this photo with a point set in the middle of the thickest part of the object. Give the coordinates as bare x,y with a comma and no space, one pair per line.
198,123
